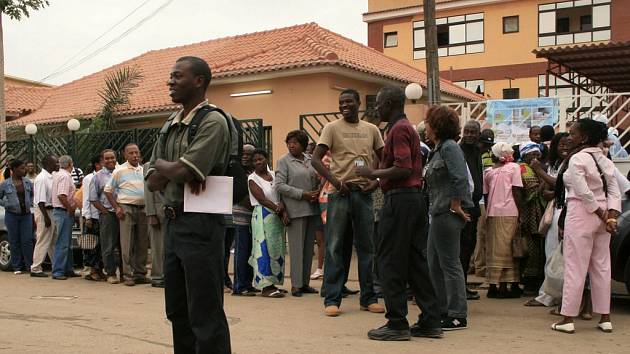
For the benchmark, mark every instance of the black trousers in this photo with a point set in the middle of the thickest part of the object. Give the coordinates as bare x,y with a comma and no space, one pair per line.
193,278
229,239
468,241
402,259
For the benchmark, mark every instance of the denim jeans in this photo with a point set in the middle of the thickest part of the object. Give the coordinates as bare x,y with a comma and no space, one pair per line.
445,266
20,230
108,239
243,272
62,261
354,208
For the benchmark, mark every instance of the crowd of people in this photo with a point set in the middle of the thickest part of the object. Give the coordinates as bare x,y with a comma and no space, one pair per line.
423,206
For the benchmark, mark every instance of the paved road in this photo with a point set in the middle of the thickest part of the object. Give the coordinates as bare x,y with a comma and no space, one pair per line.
77,316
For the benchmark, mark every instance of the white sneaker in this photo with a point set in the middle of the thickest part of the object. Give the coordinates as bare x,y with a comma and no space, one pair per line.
17,272
317,274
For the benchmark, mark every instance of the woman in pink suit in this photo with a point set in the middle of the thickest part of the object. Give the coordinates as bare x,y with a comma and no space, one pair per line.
593,203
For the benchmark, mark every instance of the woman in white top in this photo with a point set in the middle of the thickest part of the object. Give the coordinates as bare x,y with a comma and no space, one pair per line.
268,216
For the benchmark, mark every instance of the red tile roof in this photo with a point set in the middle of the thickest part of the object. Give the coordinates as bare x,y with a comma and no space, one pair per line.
23,99
301,46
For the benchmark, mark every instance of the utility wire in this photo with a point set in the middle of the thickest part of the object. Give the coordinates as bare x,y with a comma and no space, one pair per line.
62,66
113,41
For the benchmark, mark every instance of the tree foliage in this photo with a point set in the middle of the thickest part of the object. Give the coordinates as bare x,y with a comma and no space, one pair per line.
16,9
119,86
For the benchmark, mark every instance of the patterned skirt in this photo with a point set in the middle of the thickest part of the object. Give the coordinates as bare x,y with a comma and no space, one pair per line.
501,267
268,248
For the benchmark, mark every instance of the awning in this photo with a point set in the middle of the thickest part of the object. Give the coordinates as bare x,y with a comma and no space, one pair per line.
607,64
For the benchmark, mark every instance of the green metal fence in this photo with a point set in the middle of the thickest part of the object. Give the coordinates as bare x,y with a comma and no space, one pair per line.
313,123
83,146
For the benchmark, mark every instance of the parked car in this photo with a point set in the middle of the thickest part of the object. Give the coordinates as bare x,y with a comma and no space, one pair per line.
5,248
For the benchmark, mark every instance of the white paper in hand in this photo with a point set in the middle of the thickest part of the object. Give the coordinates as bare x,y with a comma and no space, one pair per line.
216,199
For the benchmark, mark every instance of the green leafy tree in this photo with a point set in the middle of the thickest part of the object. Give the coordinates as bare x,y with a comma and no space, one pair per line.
119,86
16,10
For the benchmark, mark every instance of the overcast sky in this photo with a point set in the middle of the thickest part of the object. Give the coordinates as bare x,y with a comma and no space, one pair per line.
37,46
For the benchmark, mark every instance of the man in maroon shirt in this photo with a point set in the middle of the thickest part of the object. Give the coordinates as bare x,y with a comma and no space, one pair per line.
402,228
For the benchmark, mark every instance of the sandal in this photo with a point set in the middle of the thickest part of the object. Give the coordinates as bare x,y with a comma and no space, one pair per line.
244,293
93,277
273,294
555,312
533,303
586,316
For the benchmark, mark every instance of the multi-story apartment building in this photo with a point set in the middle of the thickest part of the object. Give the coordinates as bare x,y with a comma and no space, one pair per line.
486,45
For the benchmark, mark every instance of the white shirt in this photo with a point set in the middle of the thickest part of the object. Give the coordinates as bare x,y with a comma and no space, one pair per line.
266,186
88,211
43,188
624,184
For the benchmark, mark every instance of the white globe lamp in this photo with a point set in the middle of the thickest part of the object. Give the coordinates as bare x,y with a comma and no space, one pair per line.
30,129
413,91
73,125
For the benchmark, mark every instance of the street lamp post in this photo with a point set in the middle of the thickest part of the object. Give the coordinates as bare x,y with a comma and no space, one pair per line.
31,130
73,125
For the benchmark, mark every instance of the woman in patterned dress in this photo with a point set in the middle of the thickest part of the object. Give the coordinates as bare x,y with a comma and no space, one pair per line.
268,247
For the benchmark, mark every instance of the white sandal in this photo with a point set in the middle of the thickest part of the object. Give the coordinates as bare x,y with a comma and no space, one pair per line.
564,328
605,327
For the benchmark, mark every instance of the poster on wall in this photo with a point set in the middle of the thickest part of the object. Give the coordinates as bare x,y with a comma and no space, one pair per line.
511,119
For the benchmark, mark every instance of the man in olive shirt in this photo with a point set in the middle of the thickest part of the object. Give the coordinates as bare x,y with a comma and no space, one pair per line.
353,143
193,264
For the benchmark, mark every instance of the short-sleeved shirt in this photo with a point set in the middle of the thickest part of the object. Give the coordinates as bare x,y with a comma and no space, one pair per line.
205,155
43,188
402,149
128,183
266,186
497,184
62,184
97,186
350,144
88,211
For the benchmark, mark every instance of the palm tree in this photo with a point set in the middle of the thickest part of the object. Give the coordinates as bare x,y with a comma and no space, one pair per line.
118,89
16,10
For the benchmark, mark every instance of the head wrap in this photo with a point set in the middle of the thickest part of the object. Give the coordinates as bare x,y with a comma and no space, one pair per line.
601,118
526,148
503,151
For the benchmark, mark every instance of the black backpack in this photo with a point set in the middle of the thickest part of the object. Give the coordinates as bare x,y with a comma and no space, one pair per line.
234,168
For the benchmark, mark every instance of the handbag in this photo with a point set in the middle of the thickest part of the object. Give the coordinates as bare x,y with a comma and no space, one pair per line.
547,219
519,245
554,275
87,241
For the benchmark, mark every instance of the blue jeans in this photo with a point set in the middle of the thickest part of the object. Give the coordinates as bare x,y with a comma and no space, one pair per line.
243,272
62,261
355,209
20,229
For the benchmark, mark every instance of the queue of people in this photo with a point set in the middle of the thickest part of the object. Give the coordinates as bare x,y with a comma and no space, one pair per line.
450,202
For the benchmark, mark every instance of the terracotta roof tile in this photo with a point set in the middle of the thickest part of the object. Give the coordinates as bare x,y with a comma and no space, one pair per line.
293,47
20,99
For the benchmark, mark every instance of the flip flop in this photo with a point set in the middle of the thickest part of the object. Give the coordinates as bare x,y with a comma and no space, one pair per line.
564,328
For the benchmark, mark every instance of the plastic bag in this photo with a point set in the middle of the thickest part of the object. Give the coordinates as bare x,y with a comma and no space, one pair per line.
554,275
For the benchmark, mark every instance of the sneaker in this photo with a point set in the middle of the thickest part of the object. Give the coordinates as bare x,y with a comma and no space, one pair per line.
142,280
332,311
385,333
17,272
417,330
129,282
113,279
452,324
373,308
317,274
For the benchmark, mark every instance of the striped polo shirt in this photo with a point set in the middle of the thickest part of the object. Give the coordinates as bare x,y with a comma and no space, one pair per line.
127,183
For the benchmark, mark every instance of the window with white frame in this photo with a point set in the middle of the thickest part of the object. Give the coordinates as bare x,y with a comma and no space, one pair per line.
456,35
476,86
390,39
571,22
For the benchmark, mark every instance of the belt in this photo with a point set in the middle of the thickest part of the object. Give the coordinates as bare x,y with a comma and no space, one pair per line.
133,205
403,190
57,208
48,207
172,212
